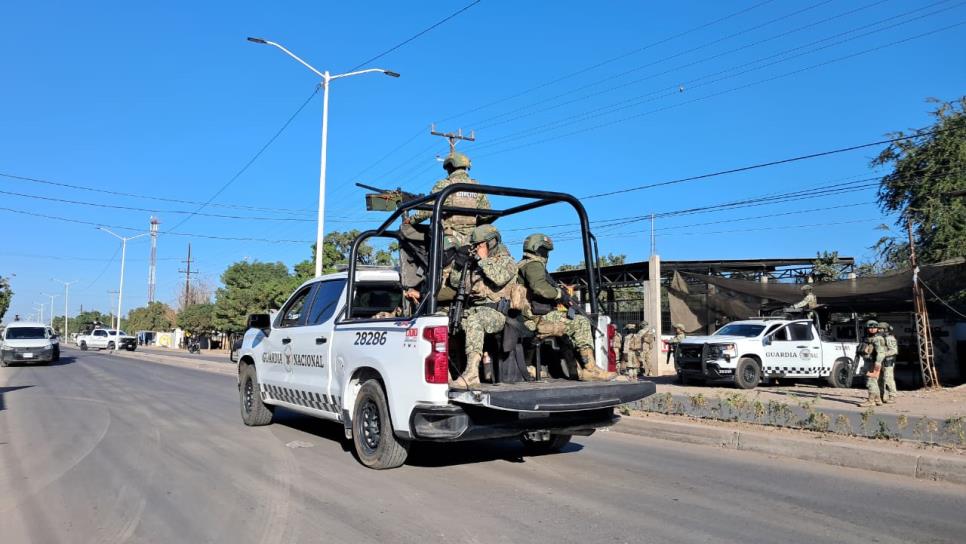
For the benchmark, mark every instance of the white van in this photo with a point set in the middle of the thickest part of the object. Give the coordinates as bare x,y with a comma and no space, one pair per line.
27,342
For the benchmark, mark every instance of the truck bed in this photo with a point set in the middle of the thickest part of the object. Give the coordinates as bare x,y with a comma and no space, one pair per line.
553,395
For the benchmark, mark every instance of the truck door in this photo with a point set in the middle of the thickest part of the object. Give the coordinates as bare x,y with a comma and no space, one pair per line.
312,370
808,346
276,363
99,339
782,357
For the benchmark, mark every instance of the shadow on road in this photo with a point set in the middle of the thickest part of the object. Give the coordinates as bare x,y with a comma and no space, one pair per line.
5,390
321,428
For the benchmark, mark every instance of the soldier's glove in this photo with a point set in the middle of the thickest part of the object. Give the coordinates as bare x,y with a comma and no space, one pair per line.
461,256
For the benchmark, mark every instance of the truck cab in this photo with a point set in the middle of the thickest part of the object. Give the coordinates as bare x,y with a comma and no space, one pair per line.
747,352
343,348
101,338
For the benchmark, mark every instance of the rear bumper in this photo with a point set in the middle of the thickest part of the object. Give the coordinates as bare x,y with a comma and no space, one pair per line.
453,423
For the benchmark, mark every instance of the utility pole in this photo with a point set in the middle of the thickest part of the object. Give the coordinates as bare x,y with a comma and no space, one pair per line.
41,310
51,307
927,365
153,263
653,239
453,137
67,285
120,289
187,278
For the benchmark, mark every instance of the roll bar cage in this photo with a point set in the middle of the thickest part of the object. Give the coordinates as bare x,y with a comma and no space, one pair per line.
434,203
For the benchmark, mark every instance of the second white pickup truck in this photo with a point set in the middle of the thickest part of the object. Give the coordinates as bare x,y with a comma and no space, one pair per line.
749,351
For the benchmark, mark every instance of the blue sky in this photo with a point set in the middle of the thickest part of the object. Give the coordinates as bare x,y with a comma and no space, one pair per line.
168,100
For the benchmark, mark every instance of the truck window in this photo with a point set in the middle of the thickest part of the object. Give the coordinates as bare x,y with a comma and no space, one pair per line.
327,297
781,335
100,333
800,331
293,315
372,298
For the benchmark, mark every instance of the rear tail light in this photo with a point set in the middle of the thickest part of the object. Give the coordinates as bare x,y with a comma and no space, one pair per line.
611,352
437,362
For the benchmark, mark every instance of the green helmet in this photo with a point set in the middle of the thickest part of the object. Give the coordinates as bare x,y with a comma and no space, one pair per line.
806,287
872,324
484,233
885,326
456,160
630,326
536,241
679,326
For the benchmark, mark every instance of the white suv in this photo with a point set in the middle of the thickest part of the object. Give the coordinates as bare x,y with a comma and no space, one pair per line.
27,342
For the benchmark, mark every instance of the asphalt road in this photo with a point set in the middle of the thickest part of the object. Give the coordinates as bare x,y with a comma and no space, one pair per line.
104,449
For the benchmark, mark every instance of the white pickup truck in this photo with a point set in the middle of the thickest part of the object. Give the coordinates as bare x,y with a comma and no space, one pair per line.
747,352
386,379
106,339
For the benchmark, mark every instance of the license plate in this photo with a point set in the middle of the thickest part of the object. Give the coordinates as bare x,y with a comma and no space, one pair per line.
28,355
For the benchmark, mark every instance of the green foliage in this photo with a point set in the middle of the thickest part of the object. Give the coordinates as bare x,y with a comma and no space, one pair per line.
6,294
337,247
197,318
82,321
825,266
156,316
924,170
607,260
249,287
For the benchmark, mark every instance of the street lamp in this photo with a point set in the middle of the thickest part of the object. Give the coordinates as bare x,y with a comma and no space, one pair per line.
39,308
52,297
326,78
67,285
120,290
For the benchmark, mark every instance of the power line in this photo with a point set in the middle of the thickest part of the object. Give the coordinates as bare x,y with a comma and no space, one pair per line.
417,35
184,234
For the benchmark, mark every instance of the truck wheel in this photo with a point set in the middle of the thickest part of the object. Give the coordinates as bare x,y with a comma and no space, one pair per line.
372,434
131,348
110,346
83,346
747,373
556,443
254,412
56,354
841,375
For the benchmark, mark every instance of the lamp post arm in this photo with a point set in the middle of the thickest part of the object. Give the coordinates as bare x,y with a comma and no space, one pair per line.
294,56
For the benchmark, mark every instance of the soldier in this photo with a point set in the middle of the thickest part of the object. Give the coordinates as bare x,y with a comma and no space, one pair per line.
546,309
807,303
632,345
872,350
889,363
618,339
647,344
488,282
457,226
679,336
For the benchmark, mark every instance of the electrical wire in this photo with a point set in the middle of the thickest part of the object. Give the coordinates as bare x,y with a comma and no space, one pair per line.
943,302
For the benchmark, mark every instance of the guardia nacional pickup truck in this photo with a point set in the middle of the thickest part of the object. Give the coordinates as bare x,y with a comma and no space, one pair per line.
328,353
749,351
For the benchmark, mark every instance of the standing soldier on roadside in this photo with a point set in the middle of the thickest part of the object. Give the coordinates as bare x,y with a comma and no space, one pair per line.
889,363
618,340
679,336
488,281
872,350
632,344
457,226
647,345
548,305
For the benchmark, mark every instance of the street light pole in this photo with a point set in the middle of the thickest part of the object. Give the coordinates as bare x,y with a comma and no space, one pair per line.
327,78
120,289
66,294
52,297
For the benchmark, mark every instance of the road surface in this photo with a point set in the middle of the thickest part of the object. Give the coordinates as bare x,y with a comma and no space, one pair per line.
104,449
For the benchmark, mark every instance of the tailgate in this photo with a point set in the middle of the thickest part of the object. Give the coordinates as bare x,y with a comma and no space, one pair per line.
553,395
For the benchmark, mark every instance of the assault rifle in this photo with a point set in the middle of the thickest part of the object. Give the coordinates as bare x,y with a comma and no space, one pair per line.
459,301
386,200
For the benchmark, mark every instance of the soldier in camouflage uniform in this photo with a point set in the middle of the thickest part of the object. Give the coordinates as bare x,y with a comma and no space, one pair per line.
889,363
488,286
673,343
872,350
810,302
618,339
545,309
647,344
458,227
632,345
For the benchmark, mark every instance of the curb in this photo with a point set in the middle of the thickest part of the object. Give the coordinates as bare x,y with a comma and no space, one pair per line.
204,366
877,459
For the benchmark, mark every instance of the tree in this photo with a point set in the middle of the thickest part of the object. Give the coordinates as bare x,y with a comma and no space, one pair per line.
249,287
925,170
607,260
6,294
83,321
200,293
156,316
337,247
825,267
197,318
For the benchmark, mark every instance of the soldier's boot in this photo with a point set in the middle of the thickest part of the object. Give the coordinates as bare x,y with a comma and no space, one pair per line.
471,376
874,400
591,372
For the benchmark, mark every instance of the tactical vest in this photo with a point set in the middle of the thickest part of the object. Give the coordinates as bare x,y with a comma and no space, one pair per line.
461,199
538,305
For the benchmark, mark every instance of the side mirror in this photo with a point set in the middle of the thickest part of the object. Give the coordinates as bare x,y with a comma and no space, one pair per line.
766,341
259,321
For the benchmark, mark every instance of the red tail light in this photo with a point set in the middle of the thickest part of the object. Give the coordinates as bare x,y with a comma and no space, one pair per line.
611,353
437,362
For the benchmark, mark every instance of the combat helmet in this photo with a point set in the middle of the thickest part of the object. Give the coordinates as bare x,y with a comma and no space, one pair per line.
630,326
456,160
807,287
885,326
484,233
678,326
872,324
534,242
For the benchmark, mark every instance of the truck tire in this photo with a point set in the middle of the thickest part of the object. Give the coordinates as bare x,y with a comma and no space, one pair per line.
83,346
372,433
747,373
841,375
131,347
56,356
110,346
556,443
254,412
